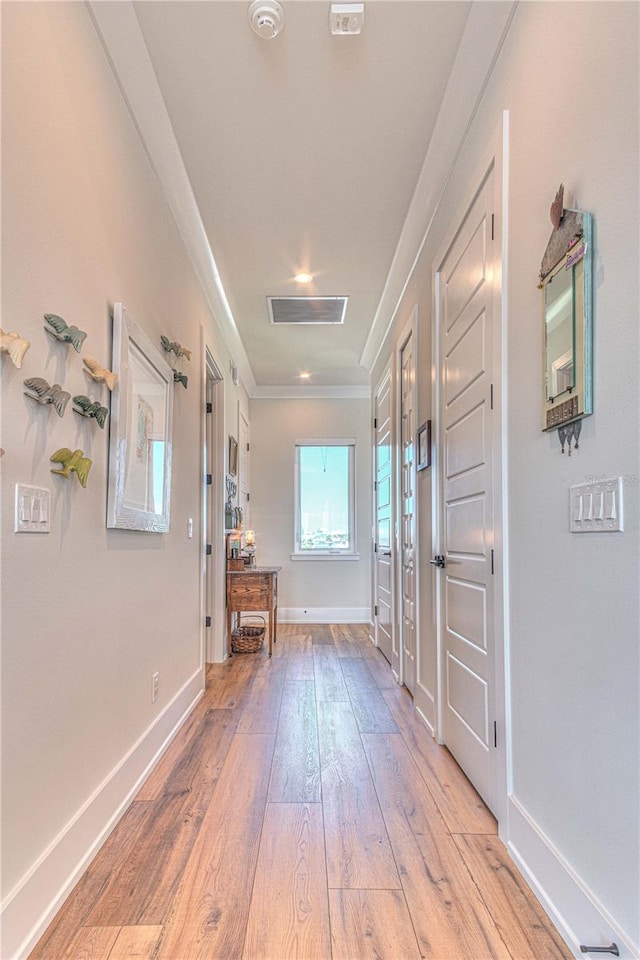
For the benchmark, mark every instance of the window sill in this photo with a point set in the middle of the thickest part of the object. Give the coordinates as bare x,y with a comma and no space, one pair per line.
325,556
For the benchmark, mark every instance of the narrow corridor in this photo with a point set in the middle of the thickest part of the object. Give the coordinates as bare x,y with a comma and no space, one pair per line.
303,811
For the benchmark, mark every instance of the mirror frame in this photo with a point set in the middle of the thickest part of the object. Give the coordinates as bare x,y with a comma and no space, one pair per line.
575,235
130,343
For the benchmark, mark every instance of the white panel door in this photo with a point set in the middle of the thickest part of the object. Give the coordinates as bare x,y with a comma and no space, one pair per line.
244,471
210,610
213,561
465,329
407,508
383,504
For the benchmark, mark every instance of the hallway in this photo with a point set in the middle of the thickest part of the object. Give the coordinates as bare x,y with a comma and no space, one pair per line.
303,811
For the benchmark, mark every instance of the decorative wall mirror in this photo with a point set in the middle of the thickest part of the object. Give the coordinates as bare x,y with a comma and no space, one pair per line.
567,315
140,435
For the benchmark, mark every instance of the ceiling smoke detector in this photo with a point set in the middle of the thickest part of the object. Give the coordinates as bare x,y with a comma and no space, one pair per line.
266,18
346,19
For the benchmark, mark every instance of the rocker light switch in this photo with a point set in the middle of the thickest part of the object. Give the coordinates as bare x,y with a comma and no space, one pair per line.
33,509
598,505
576,508
610,505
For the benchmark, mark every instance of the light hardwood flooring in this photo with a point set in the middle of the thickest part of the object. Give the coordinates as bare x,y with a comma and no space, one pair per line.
303,811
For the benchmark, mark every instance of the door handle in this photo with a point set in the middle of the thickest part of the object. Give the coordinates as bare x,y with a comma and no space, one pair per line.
387,553
438,560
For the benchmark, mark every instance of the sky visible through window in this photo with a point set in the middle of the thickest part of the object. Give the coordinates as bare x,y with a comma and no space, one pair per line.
324,498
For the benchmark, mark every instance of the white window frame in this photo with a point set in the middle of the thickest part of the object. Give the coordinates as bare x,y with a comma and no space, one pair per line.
326,554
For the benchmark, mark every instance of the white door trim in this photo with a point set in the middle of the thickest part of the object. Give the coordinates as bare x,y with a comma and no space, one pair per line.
373,633
409,330
386,377
244,466
213,642
497,156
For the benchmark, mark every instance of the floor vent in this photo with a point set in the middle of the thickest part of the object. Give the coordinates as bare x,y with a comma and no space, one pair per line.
307,309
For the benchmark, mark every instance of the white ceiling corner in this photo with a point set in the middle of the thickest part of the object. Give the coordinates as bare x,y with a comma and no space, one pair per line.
484,35
255,178
119,31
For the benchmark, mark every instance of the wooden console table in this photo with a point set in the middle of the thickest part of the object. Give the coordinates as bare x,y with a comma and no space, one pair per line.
253,589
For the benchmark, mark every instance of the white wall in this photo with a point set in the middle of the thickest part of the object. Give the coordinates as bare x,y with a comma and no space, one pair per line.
88,614
311,590
568,74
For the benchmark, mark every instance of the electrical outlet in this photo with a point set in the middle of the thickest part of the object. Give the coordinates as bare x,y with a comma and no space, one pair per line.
155,687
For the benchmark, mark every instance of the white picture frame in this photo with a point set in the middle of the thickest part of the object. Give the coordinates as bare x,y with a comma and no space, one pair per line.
139,488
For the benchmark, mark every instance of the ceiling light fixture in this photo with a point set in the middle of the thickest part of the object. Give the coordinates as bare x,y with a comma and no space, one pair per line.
266,18
304,375
303,278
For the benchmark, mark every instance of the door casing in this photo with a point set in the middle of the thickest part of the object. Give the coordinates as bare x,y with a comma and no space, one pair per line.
244,468
410,332
212,579
388,644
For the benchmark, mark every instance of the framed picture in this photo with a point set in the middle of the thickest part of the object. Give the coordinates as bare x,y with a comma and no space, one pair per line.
140,436
233,456
423,443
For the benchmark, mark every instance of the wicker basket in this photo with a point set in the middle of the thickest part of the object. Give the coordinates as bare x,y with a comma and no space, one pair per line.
248,638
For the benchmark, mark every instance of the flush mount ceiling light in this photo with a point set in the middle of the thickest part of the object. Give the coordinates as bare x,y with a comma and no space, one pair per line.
303,278
266,18
346,19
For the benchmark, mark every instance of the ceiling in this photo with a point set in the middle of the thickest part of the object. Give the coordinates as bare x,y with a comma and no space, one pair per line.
303,153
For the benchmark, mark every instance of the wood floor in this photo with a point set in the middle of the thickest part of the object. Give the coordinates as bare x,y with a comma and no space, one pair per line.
303,811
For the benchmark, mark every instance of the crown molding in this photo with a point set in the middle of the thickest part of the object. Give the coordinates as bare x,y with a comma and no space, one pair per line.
119,31
484,35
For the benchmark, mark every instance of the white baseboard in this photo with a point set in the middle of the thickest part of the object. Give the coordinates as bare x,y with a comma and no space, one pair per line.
573,907
425,705
324,615
427,722
31,905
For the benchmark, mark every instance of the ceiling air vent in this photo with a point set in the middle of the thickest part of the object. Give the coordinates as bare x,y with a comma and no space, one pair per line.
302,310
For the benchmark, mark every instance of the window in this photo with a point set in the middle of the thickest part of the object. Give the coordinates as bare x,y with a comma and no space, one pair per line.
325,501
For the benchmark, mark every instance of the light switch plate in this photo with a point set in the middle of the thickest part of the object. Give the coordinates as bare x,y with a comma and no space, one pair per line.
596,507
33,509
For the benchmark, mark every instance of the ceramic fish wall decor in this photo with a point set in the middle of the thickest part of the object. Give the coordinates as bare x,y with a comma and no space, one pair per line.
180,378
98,373
15,345
174,347
37,388
72,462
92,409
59,329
